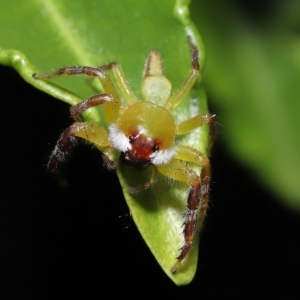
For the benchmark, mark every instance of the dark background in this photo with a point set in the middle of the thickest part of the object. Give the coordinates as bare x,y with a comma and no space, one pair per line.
70,242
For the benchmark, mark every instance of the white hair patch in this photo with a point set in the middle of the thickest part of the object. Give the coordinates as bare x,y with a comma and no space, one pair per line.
118,138
162,157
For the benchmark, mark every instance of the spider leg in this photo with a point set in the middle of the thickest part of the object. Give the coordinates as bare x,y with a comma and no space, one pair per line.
121,81
107,162
198,194
146,185
112,107
95,100
93,133
188,83
198,121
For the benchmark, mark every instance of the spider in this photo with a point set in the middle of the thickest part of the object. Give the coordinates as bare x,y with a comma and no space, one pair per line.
143,132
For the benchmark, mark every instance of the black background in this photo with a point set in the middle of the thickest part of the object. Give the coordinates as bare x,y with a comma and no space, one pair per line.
71,242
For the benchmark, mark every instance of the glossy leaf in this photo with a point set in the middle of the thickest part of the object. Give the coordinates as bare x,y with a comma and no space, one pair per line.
46,35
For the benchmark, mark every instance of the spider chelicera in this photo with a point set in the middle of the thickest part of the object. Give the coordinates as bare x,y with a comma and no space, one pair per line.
143,132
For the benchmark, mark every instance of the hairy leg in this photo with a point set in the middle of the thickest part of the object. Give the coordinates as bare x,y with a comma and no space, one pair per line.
93,133
198,193
112,107
95,100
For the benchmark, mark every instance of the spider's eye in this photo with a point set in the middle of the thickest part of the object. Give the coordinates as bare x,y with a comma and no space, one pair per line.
155,148
131,138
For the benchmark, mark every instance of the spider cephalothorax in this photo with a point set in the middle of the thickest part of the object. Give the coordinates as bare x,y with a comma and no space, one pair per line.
143,132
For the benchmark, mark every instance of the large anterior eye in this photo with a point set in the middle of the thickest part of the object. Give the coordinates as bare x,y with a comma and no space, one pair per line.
155,148
131,138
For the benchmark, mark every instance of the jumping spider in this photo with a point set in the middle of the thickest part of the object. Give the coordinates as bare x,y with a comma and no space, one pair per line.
143,132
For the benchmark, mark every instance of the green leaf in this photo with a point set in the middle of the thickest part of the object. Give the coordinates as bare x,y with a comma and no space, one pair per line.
253,77
47,35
